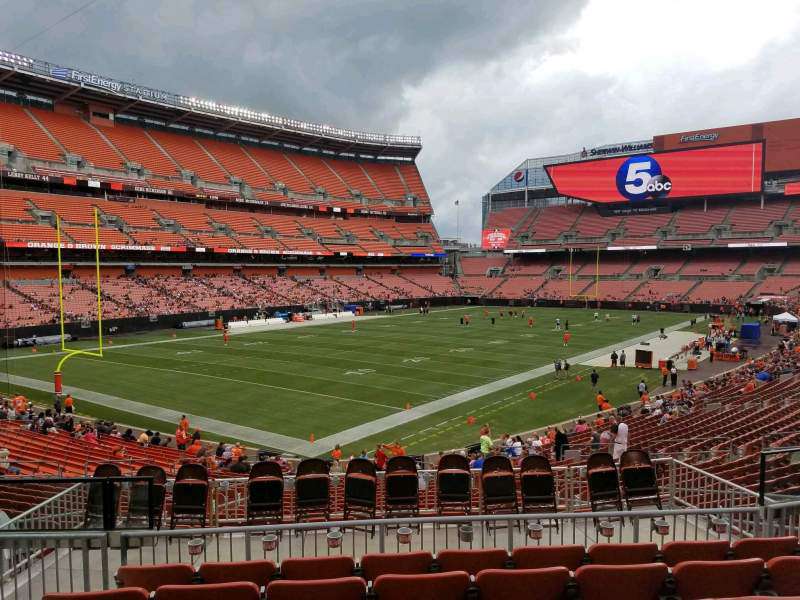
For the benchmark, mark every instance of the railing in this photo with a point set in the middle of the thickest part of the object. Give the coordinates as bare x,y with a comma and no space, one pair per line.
34,564
697,505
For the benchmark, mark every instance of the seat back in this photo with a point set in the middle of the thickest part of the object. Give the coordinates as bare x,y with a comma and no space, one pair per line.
540,557
764,548
784,572
150,577
344,588
677,552
128,593
624,582
361,483
717,579
191,471
240,590
410,563
320,567
623,554
266,468
312,466
254,571
453,461
438,586
401,463
107,470
502,584
472,561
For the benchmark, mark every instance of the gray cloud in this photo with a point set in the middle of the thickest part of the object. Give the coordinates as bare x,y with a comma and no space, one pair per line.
485,83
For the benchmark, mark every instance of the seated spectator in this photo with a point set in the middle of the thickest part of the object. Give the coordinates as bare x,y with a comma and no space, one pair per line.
156,439
128,435
241,465
6,468
581,427
144,438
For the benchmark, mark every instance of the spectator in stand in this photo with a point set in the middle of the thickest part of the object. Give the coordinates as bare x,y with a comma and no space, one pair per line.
196,449
156,439
581,426
595,443
181,439
336,453
620,432
380,458
485,439
641,388
6,468
561,443
128,435
144,438
184,423
69,404
241,465
606,441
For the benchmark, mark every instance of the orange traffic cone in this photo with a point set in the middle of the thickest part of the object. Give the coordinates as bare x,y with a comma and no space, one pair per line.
311,438
532,395
408,405
470,420
578,378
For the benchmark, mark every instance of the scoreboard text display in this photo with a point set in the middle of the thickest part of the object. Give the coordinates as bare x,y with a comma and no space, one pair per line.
714,171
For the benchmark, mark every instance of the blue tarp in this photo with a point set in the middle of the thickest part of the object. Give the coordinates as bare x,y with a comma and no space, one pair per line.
750,331
763,376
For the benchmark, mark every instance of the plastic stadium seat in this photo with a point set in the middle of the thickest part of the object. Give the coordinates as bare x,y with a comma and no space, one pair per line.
323,567
784,572
540,557
472,561
678,552
255,571
150,577
432,586
345,588
624,582
411,563
502,584
128,593
623,554
717,579
764,548
241,590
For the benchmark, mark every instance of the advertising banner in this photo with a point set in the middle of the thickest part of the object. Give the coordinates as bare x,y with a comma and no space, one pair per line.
647,178
495,239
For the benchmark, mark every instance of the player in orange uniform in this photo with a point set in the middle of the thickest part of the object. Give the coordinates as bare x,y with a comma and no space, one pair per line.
226,336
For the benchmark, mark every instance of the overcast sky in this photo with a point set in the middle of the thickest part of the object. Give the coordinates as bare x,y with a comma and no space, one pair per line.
485,83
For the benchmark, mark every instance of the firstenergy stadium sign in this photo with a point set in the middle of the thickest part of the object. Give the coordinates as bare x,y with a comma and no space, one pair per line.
642,178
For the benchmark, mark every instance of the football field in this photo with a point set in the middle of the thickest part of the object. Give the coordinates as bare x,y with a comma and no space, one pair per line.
404,377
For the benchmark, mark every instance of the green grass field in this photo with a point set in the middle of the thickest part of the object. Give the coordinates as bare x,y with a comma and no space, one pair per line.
325,379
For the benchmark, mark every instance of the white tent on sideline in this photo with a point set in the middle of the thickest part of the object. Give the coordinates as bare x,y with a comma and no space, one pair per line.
785,318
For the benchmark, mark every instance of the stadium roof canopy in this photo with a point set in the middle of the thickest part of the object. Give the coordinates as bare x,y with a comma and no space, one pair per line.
32,78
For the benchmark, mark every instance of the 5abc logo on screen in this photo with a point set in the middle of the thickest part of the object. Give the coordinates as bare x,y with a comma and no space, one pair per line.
640,178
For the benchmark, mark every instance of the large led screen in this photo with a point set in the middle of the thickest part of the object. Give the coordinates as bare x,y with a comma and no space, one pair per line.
714,171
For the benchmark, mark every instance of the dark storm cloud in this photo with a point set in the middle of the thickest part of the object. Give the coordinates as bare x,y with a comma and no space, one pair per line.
485,83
